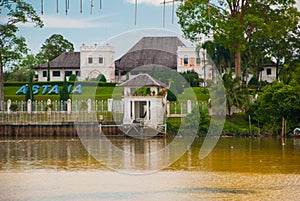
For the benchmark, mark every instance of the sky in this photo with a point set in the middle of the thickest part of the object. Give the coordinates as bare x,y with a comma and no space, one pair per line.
114,24
116,20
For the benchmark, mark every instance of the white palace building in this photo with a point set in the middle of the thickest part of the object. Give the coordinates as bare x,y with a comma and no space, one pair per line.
91,61
161,52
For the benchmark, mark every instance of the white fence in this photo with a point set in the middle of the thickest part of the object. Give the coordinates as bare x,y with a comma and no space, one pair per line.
79,110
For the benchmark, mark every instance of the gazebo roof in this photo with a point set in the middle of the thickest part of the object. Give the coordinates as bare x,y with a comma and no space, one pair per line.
142,80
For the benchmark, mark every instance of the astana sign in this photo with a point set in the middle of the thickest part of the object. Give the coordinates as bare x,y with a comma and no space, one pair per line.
49,89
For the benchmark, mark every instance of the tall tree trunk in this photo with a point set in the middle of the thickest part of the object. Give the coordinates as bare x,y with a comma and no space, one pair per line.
237,61
1,85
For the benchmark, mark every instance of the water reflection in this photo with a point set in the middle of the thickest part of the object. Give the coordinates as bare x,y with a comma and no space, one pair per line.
261,155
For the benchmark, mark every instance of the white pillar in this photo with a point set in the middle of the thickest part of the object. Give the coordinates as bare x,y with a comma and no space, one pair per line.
133,110
168,108
89,105
148,109
29,108
189,106
49,109
109,105
69,106
127,111
8,106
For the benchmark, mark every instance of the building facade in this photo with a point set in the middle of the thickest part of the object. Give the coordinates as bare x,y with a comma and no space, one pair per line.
96,60
189,60
87,64
66,64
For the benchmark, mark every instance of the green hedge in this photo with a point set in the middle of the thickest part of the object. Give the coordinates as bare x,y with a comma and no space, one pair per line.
60,83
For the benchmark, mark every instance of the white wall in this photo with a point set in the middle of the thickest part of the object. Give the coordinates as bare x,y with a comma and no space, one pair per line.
89,70
192,64
54,78
264,76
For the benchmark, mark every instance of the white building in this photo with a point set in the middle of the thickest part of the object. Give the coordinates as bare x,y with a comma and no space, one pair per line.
189,60
64,65
90,62
268,73
96,60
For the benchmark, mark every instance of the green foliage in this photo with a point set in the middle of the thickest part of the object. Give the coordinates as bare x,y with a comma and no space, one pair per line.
236,95
191,78
64,94
171,78
253,82
172,93
48,107
14,107
29,92
54,46
221,56
234,23
276,101
142,91
83,106
12,46
101,78
72,78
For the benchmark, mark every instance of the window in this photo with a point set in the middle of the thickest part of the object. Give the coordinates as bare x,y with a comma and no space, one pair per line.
44,73
68,73
78,73
185,61
192,61
101,60
198,61
269,71
56,73
90,60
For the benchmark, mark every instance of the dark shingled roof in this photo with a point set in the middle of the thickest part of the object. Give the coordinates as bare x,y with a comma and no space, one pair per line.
151,67
142,80
151,50
65,60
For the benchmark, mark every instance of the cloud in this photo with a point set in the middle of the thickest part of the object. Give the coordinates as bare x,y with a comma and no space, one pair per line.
71,22
149,2
67,22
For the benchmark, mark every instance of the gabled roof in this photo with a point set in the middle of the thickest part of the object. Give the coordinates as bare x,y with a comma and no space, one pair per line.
142,80
65,60
151,50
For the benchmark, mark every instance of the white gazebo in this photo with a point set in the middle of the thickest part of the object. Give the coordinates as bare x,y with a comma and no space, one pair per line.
144,101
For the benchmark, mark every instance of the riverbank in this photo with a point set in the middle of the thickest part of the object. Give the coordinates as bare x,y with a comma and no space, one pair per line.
164,186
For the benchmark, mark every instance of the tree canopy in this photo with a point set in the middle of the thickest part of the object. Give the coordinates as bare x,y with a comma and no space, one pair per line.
234,22
12,46
53,47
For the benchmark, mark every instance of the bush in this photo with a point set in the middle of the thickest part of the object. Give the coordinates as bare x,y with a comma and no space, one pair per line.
13,107
50,106
72,78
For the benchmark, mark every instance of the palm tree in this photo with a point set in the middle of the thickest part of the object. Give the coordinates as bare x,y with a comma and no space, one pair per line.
236,94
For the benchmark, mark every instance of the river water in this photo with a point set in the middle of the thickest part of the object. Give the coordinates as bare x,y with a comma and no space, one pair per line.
63,169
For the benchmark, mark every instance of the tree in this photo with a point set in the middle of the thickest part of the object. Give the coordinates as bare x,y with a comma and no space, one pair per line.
64,94
53,47
29,92
234,22
12,46
72,78
277,103
236,95
220,55
191,78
